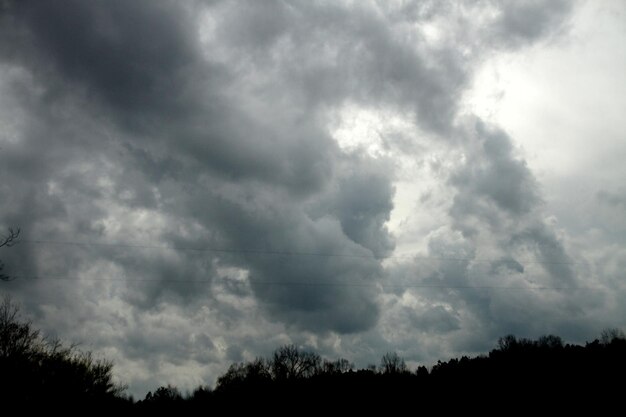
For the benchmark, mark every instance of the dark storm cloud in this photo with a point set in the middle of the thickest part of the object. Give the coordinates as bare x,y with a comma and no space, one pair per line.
206,126
492,180
141,65
549,250
327,53
301,288
499,244
361,200
147,123
132,56
497,194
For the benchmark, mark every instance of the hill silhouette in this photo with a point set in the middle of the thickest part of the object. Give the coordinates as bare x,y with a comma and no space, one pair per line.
521,373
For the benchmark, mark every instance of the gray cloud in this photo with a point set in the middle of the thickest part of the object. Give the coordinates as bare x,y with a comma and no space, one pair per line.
499,245
173,128
617,200
436,319
132,57
492,182
522,22
200,135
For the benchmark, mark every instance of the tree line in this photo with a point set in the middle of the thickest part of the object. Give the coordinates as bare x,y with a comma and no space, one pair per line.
41,371
35,369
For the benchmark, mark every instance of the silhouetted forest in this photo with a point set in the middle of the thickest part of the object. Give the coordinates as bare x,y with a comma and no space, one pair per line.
35,370
522,373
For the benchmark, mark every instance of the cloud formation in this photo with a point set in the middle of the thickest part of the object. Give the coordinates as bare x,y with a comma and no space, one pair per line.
182,162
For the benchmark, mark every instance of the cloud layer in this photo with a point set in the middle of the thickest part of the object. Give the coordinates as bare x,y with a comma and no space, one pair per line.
188,198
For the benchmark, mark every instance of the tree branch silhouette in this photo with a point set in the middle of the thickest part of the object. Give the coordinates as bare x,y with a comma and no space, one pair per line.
8,241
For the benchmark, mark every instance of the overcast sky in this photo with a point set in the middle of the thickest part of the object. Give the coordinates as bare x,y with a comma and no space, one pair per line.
200,182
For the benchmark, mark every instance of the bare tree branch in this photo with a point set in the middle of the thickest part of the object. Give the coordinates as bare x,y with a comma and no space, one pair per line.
9,240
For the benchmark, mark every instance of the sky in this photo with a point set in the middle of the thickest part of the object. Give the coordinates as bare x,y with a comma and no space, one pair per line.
200,182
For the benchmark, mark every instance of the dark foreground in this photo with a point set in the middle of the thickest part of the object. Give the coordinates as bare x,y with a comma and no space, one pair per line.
520,375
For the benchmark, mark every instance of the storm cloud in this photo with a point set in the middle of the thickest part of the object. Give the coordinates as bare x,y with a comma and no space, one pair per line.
195,186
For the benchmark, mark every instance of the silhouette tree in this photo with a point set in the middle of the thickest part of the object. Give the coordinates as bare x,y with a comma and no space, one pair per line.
518,369
338,366
507,343
201,394
421,372
550,342
610,335
36,368
235,375
8,241
391,363
18,340
238,374
289,362
166,394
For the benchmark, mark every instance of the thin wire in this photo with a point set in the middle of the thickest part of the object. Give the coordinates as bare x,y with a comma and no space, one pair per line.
314,284
284,253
